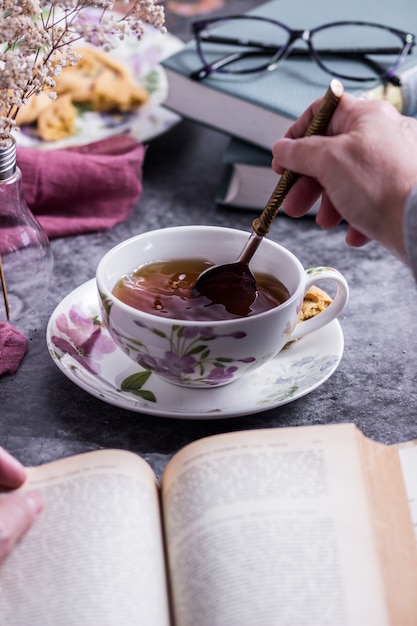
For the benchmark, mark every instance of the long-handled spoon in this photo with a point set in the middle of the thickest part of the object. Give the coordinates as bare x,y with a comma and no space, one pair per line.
233,285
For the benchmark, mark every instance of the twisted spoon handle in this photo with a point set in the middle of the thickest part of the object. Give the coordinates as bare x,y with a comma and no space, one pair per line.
317,126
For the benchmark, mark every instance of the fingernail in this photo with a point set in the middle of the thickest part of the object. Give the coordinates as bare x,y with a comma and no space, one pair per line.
35,501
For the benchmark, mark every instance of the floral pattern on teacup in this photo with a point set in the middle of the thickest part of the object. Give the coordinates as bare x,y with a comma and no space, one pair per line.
188,358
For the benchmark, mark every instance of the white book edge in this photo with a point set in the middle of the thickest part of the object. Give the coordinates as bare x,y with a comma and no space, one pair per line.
224,112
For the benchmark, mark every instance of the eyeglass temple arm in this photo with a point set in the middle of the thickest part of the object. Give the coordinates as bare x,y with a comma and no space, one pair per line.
204,71
360,56
271,48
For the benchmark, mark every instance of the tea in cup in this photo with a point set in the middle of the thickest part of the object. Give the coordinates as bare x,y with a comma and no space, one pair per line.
153,315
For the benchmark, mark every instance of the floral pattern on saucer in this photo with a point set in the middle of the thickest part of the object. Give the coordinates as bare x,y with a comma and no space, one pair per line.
83,338
83,350
307,372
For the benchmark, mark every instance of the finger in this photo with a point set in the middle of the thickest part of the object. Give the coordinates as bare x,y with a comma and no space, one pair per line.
327,216
17,513
306,156
299,127
12,472
336,124
355,238
301,197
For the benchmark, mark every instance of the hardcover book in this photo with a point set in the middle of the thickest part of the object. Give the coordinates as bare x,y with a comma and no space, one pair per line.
284,526
260,107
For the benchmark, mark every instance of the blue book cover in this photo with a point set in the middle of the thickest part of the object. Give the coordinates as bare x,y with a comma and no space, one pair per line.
238,151
260,107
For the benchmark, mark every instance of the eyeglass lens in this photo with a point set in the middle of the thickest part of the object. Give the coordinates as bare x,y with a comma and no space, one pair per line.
371,51
361,52
243,56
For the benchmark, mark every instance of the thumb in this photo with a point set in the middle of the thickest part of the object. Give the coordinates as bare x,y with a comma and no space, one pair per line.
17,512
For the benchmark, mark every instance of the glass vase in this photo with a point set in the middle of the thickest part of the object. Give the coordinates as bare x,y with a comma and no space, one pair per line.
25,252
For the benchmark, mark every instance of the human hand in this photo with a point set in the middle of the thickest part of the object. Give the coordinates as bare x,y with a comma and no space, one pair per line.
364,168
18,509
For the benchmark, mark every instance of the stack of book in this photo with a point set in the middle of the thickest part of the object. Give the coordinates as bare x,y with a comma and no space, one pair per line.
256,109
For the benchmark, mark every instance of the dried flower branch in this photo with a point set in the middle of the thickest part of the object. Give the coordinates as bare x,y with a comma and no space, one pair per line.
38,36
4,291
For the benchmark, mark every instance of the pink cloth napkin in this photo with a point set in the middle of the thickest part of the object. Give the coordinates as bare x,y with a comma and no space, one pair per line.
13,346
83,189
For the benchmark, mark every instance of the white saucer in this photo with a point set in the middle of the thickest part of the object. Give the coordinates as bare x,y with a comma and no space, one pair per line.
84,351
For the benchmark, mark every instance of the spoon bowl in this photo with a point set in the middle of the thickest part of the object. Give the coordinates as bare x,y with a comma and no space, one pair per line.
233,285
221,283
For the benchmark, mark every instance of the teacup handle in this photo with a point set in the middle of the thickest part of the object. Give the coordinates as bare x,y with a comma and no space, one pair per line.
315,276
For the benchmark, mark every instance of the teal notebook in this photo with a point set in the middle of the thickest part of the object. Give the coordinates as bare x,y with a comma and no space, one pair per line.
260,107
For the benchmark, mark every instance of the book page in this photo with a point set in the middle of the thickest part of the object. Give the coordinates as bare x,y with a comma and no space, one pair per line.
250,186
408,460
94,557
273,527
393,529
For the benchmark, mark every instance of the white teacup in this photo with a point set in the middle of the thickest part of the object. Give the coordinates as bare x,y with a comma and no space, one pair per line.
209,354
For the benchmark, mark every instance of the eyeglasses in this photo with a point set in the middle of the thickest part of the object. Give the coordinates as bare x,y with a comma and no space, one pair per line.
358,51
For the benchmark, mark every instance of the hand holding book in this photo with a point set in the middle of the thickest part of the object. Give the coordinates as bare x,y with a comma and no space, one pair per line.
18,509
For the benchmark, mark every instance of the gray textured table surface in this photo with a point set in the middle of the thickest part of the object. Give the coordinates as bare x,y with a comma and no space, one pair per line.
45,416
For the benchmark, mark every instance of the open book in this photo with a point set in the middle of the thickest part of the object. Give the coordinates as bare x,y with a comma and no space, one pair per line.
286,526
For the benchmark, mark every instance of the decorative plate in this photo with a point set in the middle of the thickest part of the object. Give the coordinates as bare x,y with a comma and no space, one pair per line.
82,349
152,119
